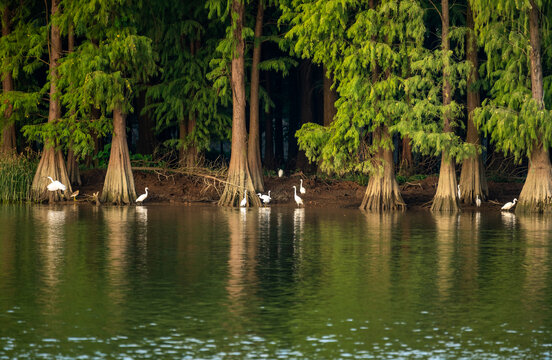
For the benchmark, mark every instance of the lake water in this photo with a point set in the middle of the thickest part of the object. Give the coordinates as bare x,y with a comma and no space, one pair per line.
170,282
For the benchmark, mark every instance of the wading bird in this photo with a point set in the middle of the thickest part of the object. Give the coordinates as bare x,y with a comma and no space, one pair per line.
509,205
55,185
266,198
280,172
298,200
478,201
74,195
142,197
244,200
458,191
302,190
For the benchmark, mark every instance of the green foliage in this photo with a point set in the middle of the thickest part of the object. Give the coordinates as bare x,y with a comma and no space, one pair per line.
16,177
514,120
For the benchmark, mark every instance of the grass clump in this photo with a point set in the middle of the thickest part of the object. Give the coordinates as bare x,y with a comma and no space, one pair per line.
16,177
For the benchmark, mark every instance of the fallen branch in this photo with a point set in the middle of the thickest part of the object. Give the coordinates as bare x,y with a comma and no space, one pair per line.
184,172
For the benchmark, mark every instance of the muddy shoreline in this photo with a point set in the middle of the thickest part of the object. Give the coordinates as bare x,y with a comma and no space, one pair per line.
190,190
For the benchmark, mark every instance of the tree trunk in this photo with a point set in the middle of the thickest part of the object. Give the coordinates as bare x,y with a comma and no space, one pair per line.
407,163
254,144
188,153
119,182
8,141
446,198
536,195
239,178
382,192
305,89
72,165
146,128
269,137
472,178
330,97
51,163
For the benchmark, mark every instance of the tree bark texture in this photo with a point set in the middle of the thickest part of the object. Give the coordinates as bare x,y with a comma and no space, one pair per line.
8,140
72,164
472,178
239,179
407,162
254,143
188,154
330,97
536,195
382,192
446,198
119,182
52,163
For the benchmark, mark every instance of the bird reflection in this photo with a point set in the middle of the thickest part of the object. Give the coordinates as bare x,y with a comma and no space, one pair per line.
508,219
298,221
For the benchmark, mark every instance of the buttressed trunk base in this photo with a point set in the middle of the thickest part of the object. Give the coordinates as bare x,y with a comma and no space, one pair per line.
536,195
382,192
119,181
51,164
446,198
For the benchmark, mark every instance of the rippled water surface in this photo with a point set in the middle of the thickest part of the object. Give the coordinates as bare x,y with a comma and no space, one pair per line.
208,283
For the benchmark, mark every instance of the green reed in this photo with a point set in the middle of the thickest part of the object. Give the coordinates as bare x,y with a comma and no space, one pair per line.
16,177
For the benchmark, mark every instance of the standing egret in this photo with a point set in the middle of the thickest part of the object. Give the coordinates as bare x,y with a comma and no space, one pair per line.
478,201
302,190
74,195
266,198
55,185
280,172
244,200
298,200
142,197
509,205
459,191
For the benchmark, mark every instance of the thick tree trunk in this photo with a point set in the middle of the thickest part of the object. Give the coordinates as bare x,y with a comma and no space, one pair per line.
472,178
119,182
51,163
407,162
330,97
269,160
446,198
536,195
305,89
382,192
72,165
254,144
146,128
239,178
8,141
188,154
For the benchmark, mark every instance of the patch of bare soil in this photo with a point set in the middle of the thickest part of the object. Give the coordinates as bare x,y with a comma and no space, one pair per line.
185,189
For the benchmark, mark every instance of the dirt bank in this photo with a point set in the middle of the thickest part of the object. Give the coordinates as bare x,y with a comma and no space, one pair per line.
184,189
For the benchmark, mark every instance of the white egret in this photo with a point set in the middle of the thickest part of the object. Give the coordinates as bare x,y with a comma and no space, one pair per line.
266,198
509,205
142,197
478,201
55,185
280,172
459,191
244,200
302,190
298,200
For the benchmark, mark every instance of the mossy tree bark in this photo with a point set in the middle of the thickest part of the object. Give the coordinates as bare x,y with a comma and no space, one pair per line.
8,141
239,178
382,192
72,164
536,195
445,198
472,178
119,182
52,163
254,144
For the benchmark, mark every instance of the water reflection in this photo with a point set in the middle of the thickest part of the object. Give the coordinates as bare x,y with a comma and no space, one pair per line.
298,222
119,230
446,226
508,219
